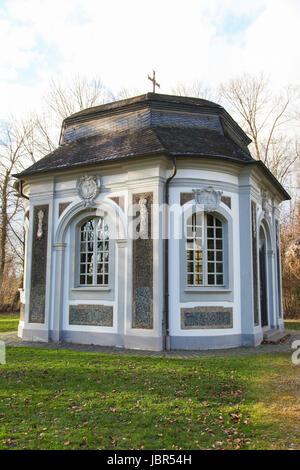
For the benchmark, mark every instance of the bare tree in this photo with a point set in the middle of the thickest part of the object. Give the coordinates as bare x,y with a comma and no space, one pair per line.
13,157
267,119
66,98
197,90
23,143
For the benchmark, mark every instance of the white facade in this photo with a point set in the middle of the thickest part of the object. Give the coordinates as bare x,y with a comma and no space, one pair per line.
63,292
123,293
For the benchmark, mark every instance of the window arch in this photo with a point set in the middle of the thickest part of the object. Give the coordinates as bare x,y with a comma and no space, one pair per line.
205,251
94,253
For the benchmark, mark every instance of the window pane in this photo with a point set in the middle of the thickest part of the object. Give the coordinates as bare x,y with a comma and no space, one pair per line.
211,267
190,279
190,267
219,233
218,222
82,268
219,244
100,268
219,255
198,267
210,233
211,279
210,220
198,255
83,258
82,279
198,279
189,255
219,279
210,255
89,279
210,244
219,268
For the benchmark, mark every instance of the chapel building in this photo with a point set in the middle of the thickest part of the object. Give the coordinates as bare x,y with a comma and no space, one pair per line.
151,227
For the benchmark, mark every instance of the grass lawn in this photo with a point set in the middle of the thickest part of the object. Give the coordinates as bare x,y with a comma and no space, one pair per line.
69,400
292,325
8,322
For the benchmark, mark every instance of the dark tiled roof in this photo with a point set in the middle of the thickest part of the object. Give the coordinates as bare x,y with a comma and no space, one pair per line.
149,141
153,99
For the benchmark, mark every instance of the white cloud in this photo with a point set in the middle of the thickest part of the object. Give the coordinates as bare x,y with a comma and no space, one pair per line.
122,41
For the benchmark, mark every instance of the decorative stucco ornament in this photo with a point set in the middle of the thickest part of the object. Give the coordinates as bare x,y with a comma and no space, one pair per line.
143,218
266,207
88,188
208,197
39,232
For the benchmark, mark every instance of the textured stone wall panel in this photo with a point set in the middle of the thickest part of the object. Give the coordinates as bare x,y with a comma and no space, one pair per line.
206,318
62,206
119,200
94,315
38,267
186,197
226,200
142,301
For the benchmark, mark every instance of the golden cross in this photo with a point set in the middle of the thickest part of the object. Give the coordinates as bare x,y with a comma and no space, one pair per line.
154,81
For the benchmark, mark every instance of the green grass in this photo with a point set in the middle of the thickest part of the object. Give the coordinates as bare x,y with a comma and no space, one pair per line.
8,322
53,399
292,325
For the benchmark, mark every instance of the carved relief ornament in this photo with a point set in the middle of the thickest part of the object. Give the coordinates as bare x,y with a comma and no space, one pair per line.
266,206
88,188
39,233
143,218
208,197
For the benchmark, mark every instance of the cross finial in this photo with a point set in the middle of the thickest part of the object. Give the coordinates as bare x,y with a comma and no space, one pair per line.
154,81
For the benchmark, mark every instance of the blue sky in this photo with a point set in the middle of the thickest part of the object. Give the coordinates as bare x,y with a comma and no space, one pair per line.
123,41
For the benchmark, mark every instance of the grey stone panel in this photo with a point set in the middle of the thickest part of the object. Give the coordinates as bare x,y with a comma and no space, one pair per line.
206,318
252,339
38,267
34,334
97,315
206,342
87,337
142,301
147,343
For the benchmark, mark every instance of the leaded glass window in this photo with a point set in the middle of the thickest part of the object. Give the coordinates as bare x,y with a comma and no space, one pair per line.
94,253
205,250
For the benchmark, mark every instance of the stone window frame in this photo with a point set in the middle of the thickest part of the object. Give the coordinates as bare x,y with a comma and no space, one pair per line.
206,292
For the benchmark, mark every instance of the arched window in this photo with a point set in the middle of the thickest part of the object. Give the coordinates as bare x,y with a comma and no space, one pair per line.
94,253
205,250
